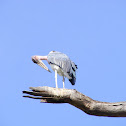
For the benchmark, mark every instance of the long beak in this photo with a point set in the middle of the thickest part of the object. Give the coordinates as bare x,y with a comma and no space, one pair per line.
41,64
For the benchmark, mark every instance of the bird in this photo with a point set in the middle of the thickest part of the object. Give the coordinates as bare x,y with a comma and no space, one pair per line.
60,63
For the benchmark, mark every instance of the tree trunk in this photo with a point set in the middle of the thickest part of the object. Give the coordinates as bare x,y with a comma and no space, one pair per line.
77,99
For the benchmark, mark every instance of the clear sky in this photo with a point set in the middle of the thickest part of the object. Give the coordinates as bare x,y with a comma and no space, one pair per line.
91,32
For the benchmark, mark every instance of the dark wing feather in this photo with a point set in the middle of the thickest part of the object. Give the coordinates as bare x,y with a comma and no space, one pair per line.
73,73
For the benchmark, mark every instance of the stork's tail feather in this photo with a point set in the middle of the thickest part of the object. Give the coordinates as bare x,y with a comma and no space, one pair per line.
73,80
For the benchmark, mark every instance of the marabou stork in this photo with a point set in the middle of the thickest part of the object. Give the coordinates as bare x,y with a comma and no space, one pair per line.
60,63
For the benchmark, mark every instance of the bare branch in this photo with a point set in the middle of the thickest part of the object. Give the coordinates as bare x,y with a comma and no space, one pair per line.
79,100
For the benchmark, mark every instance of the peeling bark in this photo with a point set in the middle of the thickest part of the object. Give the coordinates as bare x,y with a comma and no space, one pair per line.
77,99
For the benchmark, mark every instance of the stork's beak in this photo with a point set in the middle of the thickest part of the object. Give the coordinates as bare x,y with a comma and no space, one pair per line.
41,64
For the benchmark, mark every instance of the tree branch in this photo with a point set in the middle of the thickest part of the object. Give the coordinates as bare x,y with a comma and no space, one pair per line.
77,99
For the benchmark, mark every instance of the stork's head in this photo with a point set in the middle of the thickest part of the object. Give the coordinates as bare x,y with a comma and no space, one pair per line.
34,59
38,60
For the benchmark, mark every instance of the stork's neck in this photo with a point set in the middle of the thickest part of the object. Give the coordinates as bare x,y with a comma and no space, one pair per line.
42,57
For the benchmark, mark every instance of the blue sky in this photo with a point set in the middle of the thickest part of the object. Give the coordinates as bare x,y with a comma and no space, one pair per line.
92,33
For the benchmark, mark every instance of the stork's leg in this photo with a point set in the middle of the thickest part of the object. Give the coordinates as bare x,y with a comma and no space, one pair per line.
56,78
63,82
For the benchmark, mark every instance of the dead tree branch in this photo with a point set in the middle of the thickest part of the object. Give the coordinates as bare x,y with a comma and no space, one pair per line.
77,99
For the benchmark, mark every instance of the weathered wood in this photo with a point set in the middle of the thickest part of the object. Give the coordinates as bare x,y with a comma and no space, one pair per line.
79,100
